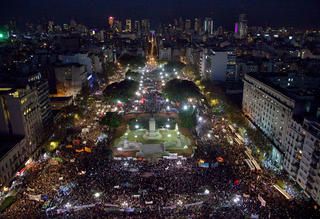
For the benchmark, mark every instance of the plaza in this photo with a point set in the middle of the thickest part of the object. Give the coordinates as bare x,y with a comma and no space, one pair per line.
141,142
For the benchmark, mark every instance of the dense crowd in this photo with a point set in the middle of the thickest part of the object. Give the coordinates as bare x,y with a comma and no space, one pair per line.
93,185
153,188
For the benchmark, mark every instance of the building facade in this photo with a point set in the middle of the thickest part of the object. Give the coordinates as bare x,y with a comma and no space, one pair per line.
278,105
268,108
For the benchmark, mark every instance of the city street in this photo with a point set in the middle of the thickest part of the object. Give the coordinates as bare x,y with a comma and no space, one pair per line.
82,180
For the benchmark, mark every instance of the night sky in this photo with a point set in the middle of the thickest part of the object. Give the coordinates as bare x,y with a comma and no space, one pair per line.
297,13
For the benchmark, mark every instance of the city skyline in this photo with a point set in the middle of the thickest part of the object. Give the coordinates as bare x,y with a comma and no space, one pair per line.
215,113
300,14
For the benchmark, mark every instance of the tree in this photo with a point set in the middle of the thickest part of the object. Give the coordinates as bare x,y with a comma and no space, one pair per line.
110,69
170,66
132,75
181,90
111,119
132,61
188,118
122,91
191,72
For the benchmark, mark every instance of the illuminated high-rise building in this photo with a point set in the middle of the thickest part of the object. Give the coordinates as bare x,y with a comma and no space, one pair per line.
50,26
65,26
111,22
137,26
208,26
117,26
197,25
73,24
187,25
128,25
243,26
4,34
145,26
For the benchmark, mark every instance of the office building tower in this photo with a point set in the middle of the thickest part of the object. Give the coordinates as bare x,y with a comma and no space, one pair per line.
243,26
217,64
111,22
187,25
128,25
145,26
302,156
20,114
50,26
137,26
25,118
208,26
197,25
117,26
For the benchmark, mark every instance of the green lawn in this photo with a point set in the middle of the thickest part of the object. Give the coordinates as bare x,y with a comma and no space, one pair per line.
137,136
169,138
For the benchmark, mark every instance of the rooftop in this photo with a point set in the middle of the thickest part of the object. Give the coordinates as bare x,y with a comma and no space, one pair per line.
8,142
293,85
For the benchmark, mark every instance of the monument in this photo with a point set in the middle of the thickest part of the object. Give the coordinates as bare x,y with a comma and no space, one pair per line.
152,133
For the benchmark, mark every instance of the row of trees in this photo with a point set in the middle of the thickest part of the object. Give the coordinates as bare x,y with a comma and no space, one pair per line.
111,119
181,90
121,91
132,75
188,118
132,61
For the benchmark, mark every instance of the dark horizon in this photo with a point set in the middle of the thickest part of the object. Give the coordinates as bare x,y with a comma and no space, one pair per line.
94,13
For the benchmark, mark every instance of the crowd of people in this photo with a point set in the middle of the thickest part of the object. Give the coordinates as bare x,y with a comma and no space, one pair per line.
152,188
95,185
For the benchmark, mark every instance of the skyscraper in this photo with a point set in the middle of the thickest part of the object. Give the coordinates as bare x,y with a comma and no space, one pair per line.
243,26
50,26
128,25
117,26
188,25
197,25
145,26
111,22
208,26
137,26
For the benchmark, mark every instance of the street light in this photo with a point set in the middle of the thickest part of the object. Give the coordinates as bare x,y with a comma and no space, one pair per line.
124,204
97,195
236,199
206,192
